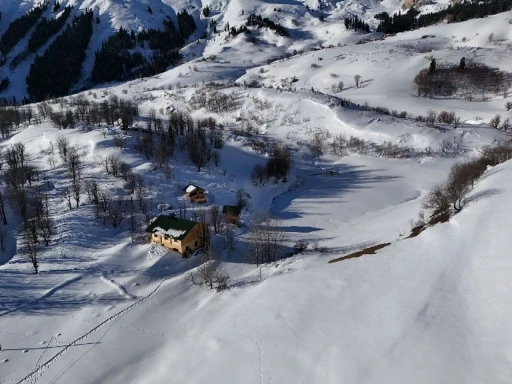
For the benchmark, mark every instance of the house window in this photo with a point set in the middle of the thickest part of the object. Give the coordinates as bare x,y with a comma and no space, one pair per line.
195,243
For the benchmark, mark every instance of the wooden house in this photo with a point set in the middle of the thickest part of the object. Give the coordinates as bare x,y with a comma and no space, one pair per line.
180,235
231,213
195,194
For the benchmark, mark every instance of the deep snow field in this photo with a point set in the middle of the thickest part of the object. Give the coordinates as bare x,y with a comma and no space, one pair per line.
431,309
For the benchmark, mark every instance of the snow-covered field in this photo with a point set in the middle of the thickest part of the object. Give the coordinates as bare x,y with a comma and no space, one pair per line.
431,309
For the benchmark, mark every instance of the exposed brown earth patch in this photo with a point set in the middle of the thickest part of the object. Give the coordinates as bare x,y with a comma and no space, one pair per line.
367,251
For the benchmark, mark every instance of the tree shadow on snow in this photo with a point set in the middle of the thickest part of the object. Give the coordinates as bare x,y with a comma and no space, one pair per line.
323,189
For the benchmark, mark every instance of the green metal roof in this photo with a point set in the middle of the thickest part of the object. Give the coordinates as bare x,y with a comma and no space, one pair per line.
176,228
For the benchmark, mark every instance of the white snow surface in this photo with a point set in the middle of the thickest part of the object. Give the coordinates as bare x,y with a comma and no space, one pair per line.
431,309
174,233
190,188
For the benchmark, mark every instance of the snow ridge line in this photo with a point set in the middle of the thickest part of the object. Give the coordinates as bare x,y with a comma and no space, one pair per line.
38,372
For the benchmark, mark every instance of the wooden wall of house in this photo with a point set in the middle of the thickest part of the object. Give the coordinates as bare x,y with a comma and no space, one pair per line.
181,246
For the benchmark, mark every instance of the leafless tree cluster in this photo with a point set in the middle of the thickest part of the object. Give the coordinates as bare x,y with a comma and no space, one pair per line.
497,123
278,166
213,101
337,87
357,80
340,145
210,273
11,118
451,196
392,150
446,117
318,142
24,194
197,137
266,240
82,110
449,80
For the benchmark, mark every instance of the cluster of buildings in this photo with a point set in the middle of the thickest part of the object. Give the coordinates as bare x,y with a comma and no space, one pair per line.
186,236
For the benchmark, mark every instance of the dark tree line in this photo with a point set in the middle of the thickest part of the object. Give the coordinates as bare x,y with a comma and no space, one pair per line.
263,22
454,13
356,24
186,24
464,79
278,166
4,84
20,27
46,29
162,40
60,67
114,59
12,118
398,22
118,58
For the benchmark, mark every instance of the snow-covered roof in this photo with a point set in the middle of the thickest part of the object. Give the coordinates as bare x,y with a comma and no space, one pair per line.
170,226
174,233
190,188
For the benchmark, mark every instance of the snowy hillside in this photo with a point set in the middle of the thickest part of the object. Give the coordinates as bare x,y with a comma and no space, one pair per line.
311,23
109,307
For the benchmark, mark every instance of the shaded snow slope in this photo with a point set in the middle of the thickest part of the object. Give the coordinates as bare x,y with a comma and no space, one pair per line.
432,308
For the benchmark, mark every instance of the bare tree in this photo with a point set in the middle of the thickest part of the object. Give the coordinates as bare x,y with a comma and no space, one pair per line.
211,274
32,250
495,121
436,200
357,80
431,118
68,195
3,239
76,186
242,198
259,175
229,239
3,214
457,187
266,240
92,189
215,218
63,146
74,163
44,109
115,212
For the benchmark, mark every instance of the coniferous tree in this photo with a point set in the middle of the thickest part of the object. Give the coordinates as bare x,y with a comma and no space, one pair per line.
186,24
462,64
19,28
46,29
60,67
433,65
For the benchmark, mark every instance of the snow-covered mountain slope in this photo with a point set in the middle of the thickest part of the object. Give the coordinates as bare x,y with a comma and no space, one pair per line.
104,309
307,30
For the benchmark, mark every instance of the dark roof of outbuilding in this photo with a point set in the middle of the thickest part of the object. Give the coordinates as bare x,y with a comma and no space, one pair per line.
231,209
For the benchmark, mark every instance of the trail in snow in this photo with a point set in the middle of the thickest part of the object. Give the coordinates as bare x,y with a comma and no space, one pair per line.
38,372
119,288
